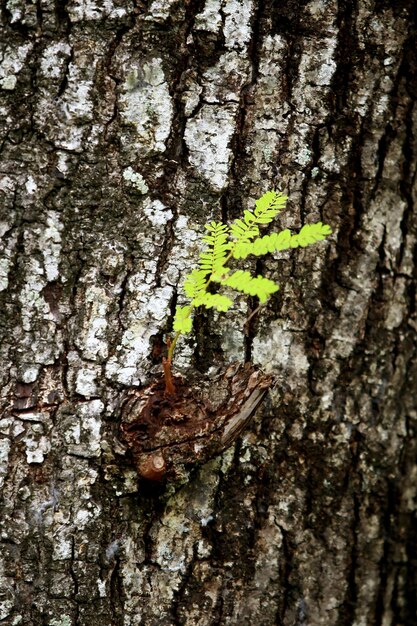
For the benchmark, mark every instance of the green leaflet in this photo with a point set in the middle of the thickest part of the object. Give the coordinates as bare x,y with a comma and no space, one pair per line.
212,259
260,287
195,283
269,205
214,301
266,209
238,241
310,233
182,320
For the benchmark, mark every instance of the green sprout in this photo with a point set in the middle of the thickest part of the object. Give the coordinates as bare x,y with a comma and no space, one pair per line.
225,243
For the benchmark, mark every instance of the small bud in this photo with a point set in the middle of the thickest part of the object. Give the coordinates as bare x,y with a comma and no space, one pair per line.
152,467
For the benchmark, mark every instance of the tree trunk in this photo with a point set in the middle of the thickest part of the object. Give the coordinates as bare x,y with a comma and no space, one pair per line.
126,126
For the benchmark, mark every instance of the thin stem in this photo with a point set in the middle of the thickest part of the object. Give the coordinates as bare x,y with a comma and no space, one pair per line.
166,364
172,345
248,319
169,383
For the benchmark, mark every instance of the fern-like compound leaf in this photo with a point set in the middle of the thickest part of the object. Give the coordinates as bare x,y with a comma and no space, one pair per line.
243,281
239,240
182,320
213,301
214,257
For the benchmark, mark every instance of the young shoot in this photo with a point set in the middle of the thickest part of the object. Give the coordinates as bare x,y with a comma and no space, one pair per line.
224,244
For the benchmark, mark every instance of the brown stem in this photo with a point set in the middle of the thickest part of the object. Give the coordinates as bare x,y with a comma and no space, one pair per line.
246,324
166,364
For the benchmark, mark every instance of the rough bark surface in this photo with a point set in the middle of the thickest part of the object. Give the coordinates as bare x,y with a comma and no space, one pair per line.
125,126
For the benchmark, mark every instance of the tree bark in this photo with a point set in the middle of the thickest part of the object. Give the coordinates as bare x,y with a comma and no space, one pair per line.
126,126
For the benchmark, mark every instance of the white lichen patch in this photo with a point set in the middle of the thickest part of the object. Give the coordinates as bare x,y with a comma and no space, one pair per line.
233,343
64,620
347,331
317,66
157,213
395,208
91,337
85,478
147,312
5,426
92,342
334,155
6,251
173,551
146,103
35,350
37,445
4,458
101,586
94,10
178,531
271,66
237,25
43,506
65,119
43,417
53,59
143,312
50,244
62,542
268,131
208,137
160,10
185,250
30,296
136,180
13,59
6,605
112,550
280,348
86,380
303,156
317,8
223,81
36,315
135,580
301,145
30,185
77,104
191,95
316,69
7,186
210,18
8,83
29,372
84,516
84,439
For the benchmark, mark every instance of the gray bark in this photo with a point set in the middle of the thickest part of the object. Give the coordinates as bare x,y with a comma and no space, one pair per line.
127,125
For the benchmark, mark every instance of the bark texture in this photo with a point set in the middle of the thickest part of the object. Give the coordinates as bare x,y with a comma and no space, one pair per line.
125,126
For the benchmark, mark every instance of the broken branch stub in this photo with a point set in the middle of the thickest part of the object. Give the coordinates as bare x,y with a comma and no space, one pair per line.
166,433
